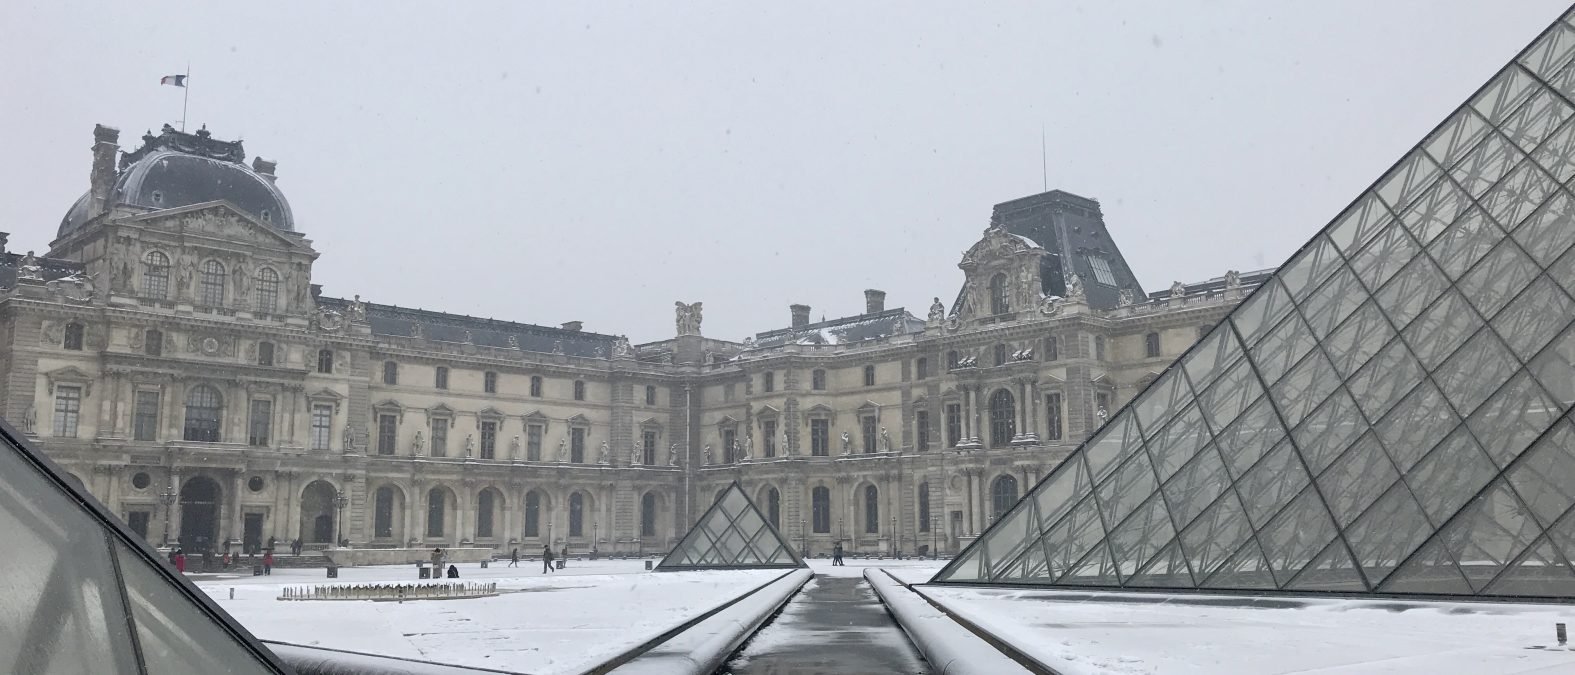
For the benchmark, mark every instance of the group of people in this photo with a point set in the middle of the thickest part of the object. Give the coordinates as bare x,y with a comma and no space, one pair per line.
439,558
836,555
547,557
178,560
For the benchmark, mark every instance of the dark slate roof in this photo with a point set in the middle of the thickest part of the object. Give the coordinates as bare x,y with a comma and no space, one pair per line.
1072,229
844,330
401,322
176,169
1249,281
52,268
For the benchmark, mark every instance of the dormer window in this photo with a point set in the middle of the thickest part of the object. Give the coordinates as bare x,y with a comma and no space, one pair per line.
158,197
267,216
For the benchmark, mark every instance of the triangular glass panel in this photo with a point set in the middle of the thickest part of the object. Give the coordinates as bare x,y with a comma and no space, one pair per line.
1363,418
732,534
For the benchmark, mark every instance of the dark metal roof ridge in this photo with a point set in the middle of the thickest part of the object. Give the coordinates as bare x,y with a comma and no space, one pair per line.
897,313
463,319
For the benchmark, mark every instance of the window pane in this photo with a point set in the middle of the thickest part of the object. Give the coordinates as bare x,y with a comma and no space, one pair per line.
1271,484
1499,277
1416,424
1450,475
1512,418
1359,338
1357,479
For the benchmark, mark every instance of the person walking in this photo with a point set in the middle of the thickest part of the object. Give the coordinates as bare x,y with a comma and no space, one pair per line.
180,561
546,559
836,555
268,562
514,558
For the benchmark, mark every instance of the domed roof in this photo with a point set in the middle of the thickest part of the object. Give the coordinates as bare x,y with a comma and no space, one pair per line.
176,169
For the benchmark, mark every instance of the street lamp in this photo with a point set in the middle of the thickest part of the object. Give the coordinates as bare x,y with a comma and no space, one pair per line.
895,537
167,498
935,527
340,502
803,540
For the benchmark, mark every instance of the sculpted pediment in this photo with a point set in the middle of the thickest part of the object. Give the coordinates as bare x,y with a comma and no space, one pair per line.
219,219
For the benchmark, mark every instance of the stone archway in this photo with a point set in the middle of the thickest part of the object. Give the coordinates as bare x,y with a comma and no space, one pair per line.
317,512
201,502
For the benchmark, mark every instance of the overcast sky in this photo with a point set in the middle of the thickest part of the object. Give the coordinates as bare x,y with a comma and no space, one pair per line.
547,162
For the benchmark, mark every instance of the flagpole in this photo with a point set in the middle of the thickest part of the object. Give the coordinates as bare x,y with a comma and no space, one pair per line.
185,98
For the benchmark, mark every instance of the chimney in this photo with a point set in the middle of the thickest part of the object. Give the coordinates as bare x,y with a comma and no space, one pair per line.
573,325
102,179
264,168
874,301
800,315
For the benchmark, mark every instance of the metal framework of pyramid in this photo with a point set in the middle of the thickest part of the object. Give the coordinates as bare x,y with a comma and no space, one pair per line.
732,534
1389,414
85,595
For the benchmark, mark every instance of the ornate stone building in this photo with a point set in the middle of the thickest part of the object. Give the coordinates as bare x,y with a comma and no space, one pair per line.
171,351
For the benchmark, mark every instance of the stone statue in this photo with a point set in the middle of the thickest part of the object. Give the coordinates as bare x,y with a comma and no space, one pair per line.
707,454
885,440
302,293
847,443
470,445
514,448
349,438
29,419
1177,291
1232,280
1074,288
1102,414
416,331
687,318
634,455
29,269
672,455
1124,298
563,449
937,311
243,281
621,347
787,449
357,311
1025,286
605,456
417,445
187,275
749,448
120,279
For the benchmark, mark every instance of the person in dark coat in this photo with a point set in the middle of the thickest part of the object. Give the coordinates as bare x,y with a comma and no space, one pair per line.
836,555
453,572
514,558
268,562
546,559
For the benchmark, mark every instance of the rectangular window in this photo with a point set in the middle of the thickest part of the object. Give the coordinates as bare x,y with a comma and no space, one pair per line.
817,380
489,440
265,353
820,437
921,427
648,448
1101,268
535,386
1052,348
68,411
440,437
322,425
869,376
1099,347
769,382
387,434
921,368
146,425
325,361
730,445
1151,345
138,522
768,429
577,446
867,427
390,372
1053,417
489,382
650,395
153,343
533,435
440,380
259,423
953,424
727,391
579,390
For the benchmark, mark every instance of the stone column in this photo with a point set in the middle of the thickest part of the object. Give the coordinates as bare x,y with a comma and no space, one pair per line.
237,477
968,505
462,502
173,512
415,522
292,518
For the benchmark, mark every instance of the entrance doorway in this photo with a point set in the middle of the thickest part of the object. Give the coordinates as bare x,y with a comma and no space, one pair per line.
199,514
251,537
317,513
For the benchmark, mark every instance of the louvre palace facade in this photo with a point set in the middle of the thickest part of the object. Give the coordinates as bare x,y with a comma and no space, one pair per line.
171,352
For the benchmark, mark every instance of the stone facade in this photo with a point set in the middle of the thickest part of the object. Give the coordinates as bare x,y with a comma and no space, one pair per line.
177,359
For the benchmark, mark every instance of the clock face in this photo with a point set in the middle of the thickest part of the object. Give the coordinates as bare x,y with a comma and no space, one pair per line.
210,346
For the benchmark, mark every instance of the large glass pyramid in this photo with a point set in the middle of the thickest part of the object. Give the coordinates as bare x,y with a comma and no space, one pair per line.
731,535
1390,413
84,595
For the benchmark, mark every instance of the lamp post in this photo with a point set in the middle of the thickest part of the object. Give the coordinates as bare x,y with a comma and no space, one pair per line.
935,526
839,529
167,498
340,502
803,540
895,538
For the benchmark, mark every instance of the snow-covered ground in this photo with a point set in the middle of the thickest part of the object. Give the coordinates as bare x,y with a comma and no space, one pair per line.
1088,633
557,623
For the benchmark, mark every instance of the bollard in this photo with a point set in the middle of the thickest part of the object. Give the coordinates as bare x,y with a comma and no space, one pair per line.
232,593
1563,637
647,565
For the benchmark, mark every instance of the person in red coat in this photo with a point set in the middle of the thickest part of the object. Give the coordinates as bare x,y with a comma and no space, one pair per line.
268,562
180,561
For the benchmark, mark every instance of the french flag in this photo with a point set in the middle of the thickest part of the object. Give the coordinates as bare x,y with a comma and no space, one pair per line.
175,80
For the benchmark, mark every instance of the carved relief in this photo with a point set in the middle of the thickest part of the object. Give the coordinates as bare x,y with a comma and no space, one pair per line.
687,317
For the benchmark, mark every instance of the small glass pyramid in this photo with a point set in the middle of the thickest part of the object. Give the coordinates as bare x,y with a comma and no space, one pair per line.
731,535
1390,413
85,595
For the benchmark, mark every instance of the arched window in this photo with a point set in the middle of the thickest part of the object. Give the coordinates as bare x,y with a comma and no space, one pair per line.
648,515
203,409
1003,494
871,509
383,513
1003,418
153,342
533,514
435,509
820,508
774,508
577,515
484,503
1151,345
267,291
156,275
74,334
1000,303
924,507
390,372
211,286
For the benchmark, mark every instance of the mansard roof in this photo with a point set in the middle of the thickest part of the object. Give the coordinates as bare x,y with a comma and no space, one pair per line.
394,321
846,330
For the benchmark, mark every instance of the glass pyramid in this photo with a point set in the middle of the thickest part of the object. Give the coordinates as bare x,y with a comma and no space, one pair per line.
85,595
730,535
1389,414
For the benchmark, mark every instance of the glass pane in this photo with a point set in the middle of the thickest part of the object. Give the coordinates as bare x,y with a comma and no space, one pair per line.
1385,378
1196,486
1229,395
1359,338
1536,119
1125,490
1491,531
1449,476
1007,540
967,567
1332,570
1545,479
1442,329
1557,154
1464,243
1512,418
1281,348
1357,479
62,612
1296,535
1554,368
1328,432
1316,261
1333,301
1210,358
1178,442
1359,223
1542,571
1551,52
1506,92
1550,231
1406,182
1270,485
1520,192
1056,496
1305,387
1417,424
1413,289
1162,400
1432,571
1114,443
175,635
1471,374
1532,319
1264,309
1246,570
1215,535
1167,570
1382,258
1486,163
1464,130
1141,536
1094,570
1499,277
1434,211
1250,437
1073,538
1387,533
